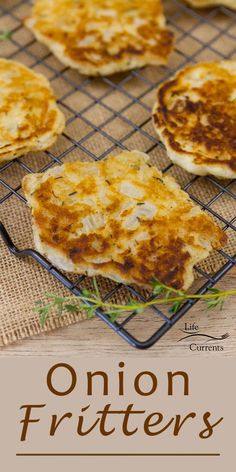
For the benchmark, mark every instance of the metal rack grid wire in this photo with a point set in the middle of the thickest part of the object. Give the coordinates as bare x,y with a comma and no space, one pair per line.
96,108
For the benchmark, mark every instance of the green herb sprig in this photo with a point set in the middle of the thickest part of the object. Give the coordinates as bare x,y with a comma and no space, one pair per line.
5,35
91,301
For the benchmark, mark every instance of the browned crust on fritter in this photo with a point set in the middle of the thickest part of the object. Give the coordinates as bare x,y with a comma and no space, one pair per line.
212,3
29,117
151,43
213,140
178,235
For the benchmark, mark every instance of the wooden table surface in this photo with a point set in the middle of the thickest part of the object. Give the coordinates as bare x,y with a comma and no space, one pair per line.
93,338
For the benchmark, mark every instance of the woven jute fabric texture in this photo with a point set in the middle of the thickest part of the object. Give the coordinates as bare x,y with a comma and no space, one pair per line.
123,113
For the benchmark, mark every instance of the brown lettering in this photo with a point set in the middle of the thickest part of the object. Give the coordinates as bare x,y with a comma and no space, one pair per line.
55,423
137,383
81,422
208,431
148,424
27,418
181,373
73,379
179,423
100,373
121,379
104,413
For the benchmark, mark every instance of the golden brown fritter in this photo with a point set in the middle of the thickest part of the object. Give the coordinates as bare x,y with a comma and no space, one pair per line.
120,218
101,37
30,119
195,116
212,3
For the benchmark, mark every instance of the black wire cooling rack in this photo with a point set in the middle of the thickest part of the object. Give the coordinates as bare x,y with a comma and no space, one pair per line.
200,35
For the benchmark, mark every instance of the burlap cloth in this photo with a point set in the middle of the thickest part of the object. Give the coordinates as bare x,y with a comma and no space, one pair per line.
23,281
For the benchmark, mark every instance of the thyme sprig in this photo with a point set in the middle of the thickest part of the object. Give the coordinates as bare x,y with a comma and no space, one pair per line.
91,301
5,35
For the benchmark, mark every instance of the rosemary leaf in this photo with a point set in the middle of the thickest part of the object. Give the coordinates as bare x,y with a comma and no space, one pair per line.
157,287
217,301
175,307
5,35
90,311
214,299
113,315
43,312
86,293
95,285
71,308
